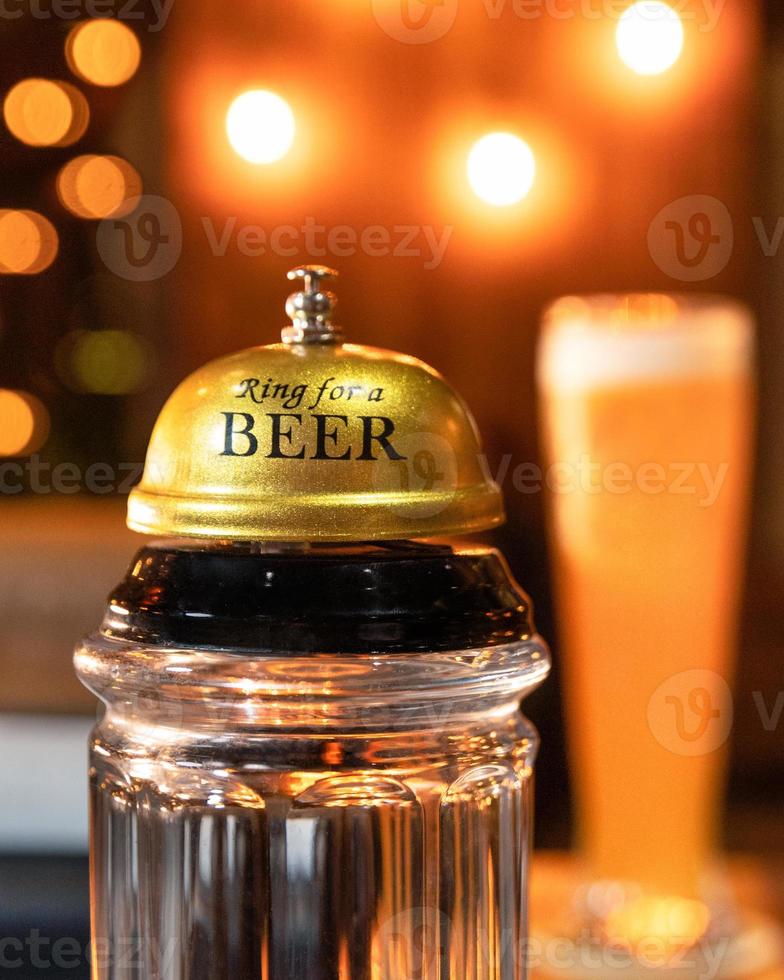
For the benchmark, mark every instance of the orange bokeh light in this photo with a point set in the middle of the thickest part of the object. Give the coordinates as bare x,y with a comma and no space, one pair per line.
650,37
41,112
28,242
501,169
103,51
664,60
260,126
97,187
521,204
25,423
209,166
675,923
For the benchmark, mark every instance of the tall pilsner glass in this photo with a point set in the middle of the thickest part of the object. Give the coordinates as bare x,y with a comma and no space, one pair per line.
647,409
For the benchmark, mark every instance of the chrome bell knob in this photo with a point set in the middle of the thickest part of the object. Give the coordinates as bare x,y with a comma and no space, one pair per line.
311,308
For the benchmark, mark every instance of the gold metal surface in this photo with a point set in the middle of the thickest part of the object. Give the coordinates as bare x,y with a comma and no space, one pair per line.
314,442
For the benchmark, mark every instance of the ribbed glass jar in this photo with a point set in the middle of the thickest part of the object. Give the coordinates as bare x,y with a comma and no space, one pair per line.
299,776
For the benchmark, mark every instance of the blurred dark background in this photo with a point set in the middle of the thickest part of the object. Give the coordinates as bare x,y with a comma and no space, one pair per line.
91,344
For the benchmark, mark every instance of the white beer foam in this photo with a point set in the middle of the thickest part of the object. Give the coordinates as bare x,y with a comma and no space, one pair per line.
585,346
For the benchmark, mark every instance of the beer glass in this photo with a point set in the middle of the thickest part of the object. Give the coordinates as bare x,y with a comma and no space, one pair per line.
647,419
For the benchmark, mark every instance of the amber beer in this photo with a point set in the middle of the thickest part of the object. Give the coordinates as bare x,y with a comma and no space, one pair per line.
647,412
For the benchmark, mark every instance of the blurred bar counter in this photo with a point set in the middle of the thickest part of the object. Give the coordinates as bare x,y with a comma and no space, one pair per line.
756,885
60,557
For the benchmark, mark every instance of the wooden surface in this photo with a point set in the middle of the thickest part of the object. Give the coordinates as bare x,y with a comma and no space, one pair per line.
756,888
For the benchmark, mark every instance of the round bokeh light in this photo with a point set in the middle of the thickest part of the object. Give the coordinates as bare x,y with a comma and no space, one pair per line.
28,242
103,51
650,37
260,126
41,112
25,425
501,169
98,187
